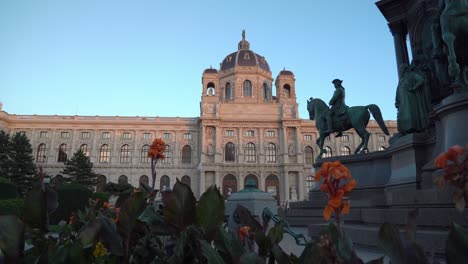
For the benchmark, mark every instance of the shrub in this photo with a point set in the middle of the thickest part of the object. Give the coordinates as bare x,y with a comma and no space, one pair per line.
102,196
11,207
8,189
71,198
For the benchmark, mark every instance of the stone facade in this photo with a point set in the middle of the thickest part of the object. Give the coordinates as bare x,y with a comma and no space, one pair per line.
243,132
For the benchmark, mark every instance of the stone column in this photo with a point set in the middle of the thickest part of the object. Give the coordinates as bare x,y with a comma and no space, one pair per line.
399,32
204,150
284,145
260,146
286,186
218,146
300,187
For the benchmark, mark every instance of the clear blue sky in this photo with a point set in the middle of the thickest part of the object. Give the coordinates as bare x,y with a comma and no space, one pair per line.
146,57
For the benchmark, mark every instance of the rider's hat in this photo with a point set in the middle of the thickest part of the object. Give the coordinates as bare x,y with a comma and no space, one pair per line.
337,81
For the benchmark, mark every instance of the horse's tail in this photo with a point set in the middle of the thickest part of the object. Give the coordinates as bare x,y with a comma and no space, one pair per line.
375,111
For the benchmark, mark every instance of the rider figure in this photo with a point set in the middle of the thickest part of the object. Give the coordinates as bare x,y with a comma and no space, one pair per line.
338,106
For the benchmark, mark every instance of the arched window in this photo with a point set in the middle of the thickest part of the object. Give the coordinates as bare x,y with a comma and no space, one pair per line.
345,151
186,154
287,91
41,153
123,179
230,152
165,183
144,154
382,148
62,153
310,183
247,89
250,177
167,155
228,91
329,152
309,155
104,154
144,179
210,89
229,185
125,154
265,91
101,183
186,180
84,149
250,153
271,153
272,186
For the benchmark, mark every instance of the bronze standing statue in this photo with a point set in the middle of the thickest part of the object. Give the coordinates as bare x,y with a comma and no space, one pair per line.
345,118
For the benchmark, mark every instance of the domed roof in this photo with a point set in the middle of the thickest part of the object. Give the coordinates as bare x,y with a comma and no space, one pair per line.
244,57
285,72
210,70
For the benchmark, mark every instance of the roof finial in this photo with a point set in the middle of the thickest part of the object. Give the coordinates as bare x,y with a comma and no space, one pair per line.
243,34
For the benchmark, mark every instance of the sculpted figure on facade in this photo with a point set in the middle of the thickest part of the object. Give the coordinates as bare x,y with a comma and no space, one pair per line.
412,100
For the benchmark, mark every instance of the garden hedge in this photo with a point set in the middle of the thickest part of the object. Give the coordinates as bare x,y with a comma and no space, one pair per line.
71,198
7,189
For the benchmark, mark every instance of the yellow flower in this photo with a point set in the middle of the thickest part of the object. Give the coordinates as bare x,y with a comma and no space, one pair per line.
99,250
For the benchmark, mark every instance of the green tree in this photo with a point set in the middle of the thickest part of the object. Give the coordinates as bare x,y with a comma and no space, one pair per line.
5,154
22,167
80,169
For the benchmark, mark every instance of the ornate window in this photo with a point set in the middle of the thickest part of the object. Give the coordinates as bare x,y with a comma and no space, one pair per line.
64,135
265,91
186,154
167,135
345,138
126,135
84,149
309,155
228,92
329,152
146,135
310,183
125,154
210,89
308,137
144,154
250,153
104,154
250,133
271,153
381,138
167,155
123,179
230,152
85,135
41,153
165,183
105,135
62,153
345,151
43,134
144,179
287,91
247,90
188,136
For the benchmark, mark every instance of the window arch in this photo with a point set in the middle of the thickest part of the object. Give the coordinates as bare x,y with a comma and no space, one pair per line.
250,152
247,88
186,154
167,155
265,91
101,183
125,154
271,153
104,154
41,153
329,152
345,151
62,153
144,179
84,149
144,154
186,180
210,89
123,179
230,152
165,183
309,155
287,90
228,92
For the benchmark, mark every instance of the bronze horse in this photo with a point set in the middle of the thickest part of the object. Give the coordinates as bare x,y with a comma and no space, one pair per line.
454,28
356,117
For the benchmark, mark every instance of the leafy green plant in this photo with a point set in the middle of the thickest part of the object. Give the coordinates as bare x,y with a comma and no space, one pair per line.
8,189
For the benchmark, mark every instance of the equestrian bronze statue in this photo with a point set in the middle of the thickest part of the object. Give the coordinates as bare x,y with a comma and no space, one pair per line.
340,118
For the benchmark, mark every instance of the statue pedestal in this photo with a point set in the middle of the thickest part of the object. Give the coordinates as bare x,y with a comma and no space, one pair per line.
451,120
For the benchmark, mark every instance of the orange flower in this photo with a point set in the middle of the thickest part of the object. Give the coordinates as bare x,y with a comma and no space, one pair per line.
451,154
72,219
340,172
324,188
345,209
105,205
441,160
335,202
157,149
244,232
327,212
348,187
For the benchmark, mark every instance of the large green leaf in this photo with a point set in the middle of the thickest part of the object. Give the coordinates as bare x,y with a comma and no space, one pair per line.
457,245
35,209
276,233
251,258
246,218
180,210
129,212
155,221
279,254
228,245
210,211
11,237
390,242
110,237
211,255
89,233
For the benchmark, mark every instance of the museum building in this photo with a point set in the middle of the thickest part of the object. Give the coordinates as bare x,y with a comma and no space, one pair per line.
245,131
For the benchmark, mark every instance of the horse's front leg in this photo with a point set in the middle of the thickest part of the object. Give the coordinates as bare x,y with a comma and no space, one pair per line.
319,142
453,67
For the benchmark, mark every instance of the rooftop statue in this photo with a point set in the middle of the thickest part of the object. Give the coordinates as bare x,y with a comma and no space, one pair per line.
454,30
341,118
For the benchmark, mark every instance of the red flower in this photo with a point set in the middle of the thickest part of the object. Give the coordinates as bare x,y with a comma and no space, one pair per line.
244,232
